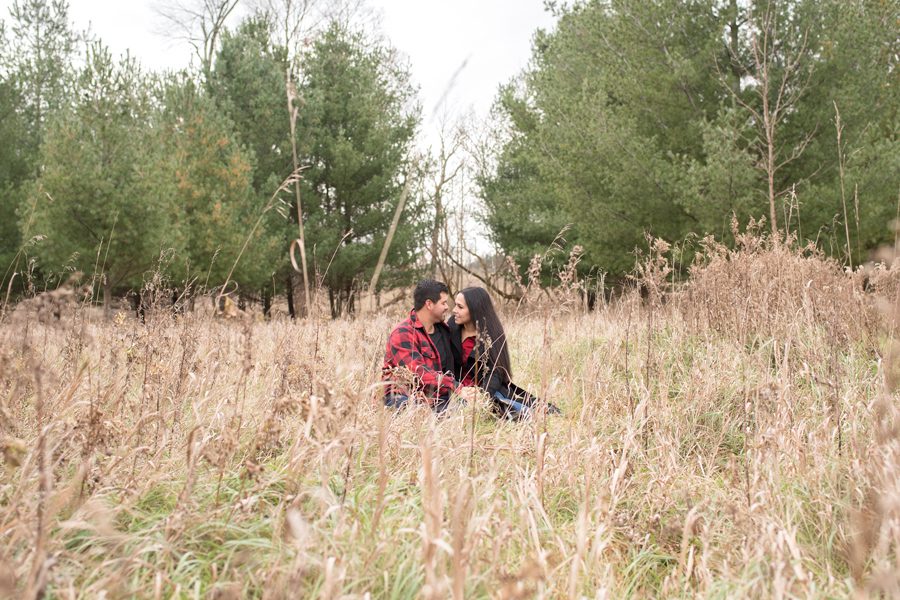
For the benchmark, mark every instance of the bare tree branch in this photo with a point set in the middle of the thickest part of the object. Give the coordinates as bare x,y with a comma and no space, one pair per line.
390,235
291,21
485,279
445,172
199,23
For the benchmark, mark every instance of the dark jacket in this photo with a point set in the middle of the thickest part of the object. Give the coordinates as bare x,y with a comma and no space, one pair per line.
513,403
484,371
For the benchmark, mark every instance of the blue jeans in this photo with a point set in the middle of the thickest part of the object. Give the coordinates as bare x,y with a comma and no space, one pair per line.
510,408
399,401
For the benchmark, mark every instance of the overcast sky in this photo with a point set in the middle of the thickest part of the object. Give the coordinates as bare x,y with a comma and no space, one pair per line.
459,52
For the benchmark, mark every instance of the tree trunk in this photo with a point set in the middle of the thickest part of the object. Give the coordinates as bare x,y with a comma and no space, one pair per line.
351,301
436,233
142,306
734,30
177,302
135,300
107,297
289,292
267,305
770,172
292,115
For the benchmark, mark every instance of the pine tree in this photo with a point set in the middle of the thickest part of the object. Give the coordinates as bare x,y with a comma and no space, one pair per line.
104,201
354,130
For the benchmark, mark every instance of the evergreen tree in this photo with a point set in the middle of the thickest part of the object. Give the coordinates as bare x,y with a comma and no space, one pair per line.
668,117
43,46
35,76
14,169
522,208
216,204
248,84
104,201
355,127
856,76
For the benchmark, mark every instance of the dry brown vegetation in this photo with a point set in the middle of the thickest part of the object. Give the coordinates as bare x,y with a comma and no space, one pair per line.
735,438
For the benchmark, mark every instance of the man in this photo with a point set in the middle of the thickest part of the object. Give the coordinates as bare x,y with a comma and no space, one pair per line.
418,360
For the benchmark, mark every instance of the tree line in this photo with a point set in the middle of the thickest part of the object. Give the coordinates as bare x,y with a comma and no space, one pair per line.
202,174
669,117
665,118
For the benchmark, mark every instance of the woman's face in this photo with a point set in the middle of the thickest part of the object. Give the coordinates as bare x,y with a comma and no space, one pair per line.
461,310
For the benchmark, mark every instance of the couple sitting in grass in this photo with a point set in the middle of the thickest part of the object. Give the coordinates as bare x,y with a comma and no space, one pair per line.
431,361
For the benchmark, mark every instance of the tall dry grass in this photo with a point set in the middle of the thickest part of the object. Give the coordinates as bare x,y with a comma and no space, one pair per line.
737,437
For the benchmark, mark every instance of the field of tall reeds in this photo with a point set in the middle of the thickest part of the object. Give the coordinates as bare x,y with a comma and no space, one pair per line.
736,436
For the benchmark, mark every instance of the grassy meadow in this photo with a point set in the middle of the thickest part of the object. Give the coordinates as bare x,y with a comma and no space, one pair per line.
738,437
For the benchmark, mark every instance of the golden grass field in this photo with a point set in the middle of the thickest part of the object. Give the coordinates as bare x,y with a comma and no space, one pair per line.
736,438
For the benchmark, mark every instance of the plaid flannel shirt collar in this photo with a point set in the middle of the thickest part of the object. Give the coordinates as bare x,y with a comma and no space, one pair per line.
414,319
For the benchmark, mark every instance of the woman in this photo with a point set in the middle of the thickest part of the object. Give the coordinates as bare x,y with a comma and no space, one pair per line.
481,354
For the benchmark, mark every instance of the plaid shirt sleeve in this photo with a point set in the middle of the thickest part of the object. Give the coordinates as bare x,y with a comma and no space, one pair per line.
403,351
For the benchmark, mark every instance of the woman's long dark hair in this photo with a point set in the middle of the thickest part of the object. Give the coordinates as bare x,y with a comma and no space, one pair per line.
488,327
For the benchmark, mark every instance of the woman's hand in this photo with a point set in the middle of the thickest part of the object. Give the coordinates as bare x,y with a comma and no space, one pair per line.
468,393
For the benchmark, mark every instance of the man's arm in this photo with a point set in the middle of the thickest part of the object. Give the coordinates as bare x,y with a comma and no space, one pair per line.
404,352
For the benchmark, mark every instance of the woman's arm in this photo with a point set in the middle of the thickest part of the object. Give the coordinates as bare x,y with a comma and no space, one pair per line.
491,377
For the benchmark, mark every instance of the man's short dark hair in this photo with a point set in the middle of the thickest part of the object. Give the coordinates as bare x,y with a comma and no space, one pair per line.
428,289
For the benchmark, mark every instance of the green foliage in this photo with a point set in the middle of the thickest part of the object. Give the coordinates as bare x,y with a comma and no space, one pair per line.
105,200
42,52
247,83
647,117
522,213
633,118
217,206
35,73
14,169
355,126
722,179
857,71
614,95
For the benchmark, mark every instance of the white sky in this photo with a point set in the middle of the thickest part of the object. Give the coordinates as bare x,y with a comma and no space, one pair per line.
459,52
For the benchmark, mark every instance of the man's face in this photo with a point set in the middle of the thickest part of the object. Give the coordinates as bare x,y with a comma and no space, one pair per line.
438,309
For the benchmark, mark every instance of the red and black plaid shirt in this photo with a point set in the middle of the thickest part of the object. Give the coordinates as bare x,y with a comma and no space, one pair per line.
410,354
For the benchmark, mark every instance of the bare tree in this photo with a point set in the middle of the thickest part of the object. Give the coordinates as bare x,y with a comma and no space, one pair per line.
449,188
291,21
294,22
300,241
780,76
491,271
198,22
388,240
445,167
